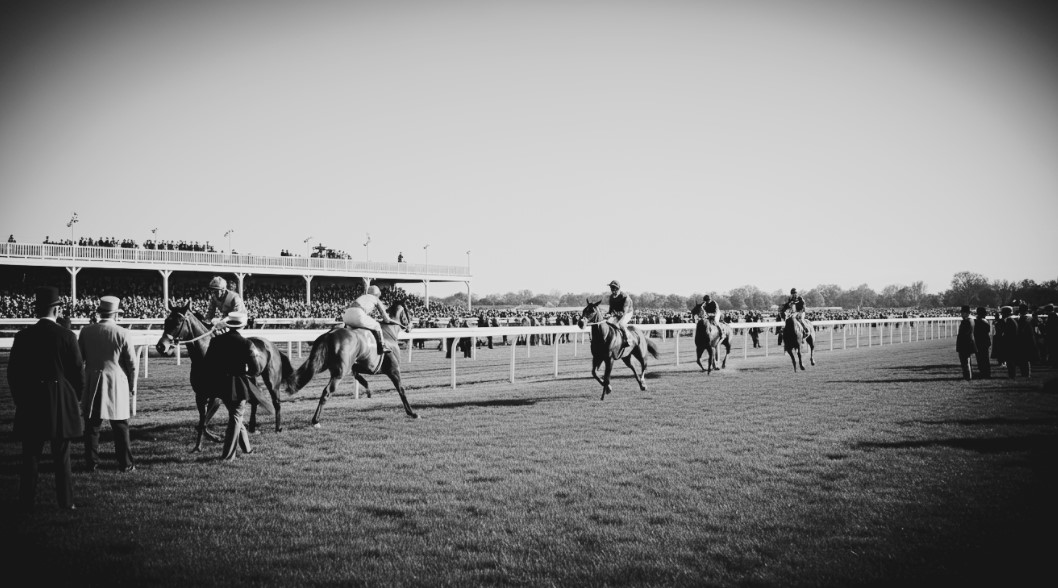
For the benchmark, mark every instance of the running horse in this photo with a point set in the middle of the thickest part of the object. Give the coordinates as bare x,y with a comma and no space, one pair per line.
273,367
793,337
343,350
710,336
606,347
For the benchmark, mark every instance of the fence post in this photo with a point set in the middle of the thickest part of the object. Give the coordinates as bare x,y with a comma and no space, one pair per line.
453,370
555,345
677,348
745,343
513,348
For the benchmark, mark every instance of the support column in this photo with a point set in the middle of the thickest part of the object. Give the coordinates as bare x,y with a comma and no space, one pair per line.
73,286
242,278
367,283
426,293
469,309
165,289
308,289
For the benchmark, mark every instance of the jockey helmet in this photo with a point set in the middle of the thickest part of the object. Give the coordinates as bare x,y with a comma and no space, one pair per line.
219,283
705,298
793,291
615,284
374,291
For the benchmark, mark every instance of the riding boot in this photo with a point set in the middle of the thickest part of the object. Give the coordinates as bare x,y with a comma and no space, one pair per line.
381,347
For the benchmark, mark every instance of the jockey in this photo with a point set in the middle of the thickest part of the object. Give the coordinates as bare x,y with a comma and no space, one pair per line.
223,300
707,308
620,312
359,315
797,304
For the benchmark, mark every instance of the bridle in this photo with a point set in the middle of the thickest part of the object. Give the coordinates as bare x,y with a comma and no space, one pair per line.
181,327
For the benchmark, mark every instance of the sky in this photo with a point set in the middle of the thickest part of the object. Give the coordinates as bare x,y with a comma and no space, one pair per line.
677,146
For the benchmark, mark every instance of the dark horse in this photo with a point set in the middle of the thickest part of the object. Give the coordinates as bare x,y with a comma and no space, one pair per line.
343,350
793,337
709,336
273,366
606,347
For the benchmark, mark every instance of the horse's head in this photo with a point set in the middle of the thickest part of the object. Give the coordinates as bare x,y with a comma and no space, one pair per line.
177,327
590,314
399,313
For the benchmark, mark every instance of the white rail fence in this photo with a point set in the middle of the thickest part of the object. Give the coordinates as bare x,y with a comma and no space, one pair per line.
829,335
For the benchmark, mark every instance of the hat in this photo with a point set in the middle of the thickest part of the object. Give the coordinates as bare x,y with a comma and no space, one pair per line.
615,284
1048,308
47,296
966,308
235,320
981,311
219,283
1006,310
109,305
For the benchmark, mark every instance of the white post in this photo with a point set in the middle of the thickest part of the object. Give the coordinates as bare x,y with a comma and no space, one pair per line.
513,348
453,369
677,348
832,327
745,342
555,345
177,354
766,343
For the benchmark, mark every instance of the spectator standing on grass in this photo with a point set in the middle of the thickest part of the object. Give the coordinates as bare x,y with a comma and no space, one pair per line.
1005,342
45,378
1049,329
964,343
1028,351
231,368
983,339
110,382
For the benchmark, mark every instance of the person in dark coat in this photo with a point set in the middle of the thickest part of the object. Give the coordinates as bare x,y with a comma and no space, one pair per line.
983,338
964,343
1005,342
1050,334
1028,351
45,377
232,368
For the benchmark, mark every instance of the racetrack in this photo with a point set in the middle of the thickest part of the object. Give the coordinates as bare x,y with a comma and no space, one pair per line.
877,466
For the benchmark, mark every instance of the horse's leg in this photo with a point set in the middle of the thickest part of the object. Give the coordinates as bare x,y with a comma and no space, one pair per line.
252,426
327,391
727,351
207,407
639,378
394,376
793,359
606,377
812,350
700,350
800,361
595,363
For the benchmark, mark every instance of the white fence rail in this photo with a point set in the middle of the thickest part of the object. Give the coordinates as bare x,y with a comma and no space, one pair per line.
829,335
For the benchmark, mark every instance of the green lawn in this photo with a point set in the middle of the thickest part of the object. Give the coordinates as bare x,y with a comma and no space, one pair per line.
876,467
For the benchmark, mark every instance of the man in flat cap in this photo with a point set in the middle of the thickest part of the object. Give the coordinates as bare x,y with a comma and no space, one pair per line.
44,374
110,382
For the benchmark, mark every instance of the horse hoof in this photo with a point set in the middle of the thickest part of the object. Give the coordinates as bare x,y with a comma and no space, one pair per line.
195,450
315,425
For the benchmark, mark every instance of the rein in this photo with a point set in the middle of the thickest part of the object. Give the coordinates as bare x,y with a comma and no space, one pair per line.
178,341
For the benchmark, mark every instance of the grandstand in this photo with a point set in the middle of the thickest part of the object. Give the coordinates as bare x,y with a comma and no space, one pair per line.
183,274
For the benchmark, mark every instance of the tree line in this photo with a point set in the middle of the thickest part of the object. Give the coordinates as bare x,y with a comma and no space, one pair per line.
966,288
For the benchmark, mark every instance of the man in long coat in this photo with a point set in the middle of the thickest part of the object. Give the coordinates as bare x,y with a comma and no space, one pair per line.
232,366
110,382
44,374
965,345
983,339
1005,342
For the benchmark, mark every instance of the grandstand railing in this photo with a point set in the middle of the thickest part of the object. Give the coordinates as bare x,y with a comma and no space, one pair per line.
63,255
879,332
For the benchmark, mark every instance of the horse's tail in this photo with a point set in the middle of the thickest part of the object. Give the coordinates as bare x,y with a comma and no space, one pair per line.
652,349
312,365
287,375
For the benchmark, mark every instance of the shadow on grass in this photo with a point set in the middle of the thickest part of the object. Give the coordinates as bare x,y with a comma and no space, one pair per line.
1046,444
989,422
500,402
